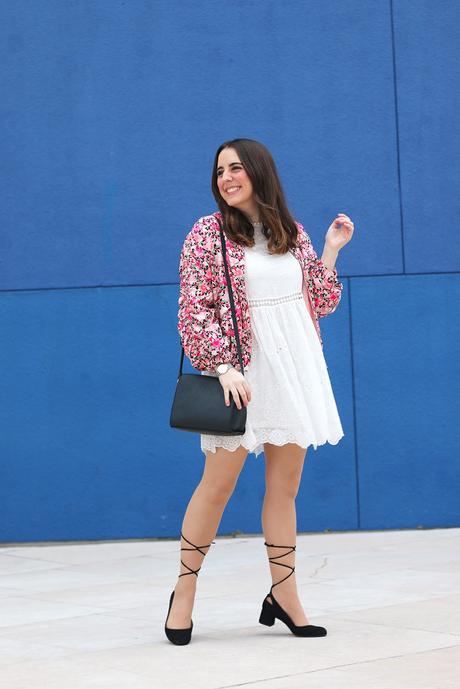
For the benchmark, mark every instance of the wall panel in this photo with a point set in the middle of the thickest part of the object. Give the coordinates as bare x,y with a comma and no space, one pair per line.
406,332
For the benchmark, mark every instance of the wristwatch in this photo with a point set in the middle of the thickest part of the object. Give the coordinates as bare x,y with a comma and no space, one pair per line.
223,368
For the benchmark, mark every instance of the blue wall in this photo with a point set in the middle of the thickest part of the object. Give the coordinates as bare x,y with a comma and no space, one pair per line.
111,115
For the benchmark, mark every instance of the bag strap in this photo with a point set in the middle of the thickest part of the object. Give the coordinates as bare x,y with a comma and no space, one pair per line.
232,303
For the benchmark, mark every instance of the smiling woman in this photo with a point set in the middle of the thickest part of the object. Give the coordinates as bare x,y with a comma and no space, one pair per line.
246,184
281,289
240,181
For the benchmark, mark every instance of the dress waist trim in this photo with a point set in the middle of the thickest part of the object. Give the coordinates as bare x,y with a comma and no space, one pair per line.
269,301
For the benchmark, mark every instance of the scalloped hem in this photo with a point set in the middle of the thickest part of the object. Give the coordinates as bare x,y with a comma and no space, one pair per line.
233,443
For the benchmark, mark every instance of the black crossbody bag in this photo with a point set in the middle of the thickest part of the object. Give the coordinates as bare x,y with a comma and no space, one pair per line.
199,404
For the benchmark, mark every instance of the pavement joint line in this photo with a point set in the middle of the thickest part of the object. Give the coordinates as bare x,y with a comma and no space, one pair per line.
333,667
322,566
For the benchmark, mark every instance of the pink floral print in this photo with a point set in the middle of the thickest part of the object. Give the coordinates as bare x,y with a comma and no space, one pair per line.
204,318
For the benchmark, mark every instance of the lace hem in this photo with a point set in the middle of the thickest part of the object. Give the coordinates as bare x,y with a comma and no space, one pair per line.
275,437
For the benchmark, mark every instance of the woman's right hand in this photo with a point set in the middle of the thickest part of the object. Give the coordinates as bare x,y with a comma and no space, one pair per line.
235,383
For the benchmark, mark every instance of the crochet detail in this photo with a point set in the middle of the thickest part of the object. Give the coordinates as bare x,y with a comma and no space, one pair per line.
269,301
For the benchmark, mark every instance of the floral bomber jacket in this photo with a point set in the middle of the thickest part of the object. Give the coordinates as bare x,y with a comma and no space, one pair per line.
205,319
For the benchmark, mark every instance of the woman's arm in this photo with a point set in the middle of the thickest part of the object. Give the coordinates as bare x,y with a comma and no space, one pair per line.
329,257
201,335
323,282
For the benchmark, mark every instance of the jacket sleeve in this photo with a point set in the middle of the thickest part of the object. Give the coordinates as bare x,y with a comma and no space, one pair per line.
323,283
200,332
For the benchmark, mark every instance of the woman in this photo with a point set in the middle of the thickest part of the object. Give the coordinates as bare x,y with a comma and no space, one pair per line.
280,290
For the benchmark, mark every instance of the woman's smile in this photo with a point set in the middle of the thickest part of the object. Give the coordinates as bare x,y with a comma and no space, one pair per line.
232,190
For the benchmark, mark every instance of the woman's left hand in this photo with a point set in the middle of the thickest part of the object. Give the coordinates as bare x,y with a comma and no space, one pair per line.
339,232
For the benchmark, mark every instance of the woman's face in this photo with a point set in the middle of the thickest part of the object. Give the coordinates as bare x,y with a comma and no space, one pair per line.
233,182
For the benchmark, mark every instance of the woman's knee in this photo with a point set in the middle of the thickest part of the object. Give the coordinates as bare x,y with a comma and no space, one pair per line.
217,490
283,483
221,473
285,489
283,470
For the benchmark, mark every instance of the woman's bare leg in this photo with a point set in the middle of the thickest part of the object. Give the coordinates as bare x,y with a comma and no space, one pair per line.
283,471
201,521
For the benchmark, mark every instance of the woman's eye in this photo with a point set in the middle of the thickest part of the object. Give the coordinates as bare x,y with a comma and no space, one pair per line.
233,168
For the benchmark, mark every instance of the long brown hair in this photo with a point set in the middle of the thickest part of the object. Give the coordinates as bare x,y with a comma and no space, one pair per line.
278,224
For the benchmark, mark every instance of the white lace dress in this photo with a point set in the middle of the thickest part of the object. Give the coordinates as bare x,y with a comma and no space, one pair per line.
292,398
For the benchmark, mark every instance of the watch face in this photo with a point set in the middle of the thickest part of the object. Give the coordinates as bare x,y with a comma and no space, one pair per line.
222,368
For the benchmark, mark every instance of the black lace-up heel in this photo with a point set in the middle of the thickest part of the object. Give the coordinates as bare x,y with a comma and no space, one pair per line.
273,610
181,637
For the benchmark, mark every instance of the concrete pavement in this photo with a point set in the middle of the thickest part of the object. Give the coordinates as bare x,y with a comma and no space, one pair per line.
87,616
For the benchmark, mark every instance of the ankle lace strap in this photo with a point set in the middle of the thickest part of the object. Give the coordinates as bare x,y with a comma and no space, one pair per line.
195,547
281,564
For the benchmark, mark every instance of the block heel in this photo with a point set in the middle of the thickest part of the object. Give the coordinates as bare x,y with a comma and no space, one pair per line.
272,610
267,616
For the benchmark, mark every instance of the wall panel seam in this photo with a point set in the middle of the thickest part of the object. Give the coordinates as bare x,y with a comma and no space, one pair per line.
353,397
398,152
